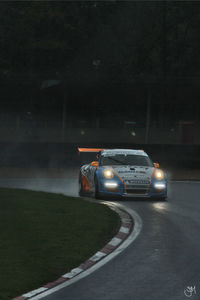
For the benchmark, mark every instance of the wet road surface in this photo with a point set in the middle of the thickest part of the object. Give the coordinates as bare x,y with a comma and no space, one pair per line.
162,263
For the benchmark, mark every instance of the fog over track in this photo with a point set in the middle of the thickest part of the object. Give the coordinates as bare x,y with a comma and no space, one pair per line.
162,263
67,184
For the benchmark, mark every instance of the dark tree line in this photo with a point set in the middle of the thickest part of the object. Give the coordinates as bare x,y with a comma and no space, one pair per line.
95,46
122,40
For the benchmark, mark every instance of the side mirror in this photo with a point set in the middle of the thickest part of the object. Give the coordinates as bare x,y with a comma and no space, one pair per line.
94,164
156,165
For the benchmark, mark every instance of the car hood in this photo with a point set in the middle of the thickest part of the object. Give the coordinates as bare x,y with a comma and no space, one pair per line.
133,173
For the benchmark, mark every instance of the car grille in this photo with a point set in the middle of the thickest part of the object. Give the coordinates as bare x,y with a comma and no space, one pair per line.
137,186
137,191
140,189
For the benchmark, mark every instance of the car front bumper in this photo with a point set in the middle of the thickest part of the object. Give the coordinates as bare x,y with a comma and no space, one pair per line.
115,187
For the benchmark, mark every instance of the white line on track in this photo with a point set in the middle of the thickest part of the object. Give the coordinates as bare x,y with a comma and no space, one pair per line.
133,235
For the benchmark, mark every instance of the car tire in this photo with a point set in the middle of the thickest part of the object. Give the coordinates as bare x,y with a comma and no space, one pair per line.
96,191
162,199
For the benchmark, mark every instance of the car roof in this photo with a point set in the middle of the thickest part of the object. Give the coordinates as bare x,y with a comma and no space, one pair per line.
111,152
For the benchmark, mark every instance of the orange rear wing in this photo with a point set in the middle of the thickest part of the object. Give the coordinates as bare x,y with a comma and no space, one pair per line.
89,150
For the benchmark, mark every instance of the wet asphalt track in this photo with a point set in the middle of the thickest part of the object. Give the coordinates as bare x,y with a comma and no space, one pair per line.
162,262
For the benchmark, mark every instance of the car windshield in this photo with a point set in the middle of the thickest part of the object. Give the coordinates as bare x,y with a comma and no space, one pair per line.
121,159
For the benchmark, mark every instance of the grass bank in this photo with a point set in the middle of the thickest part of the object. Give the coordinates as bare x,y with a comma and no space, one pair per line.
45,235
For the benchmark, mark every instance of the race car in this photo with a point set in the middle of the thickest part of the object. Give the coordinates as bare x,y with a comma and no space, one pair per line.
124,173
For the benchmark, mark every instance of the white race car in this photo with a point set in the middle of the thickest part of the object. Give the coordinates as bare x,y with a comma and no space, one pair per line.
122,172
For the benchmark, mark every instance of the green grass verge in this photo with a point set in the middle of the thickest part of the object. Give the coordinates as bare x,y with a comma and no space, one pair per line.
45,235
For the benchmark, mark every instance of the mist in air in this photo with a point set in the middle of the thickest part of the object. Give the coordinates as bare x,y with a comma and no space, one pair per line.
66,183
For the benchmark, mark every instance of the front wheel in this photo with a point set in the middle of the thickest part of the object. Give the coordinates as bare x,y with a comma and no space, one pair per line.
162,199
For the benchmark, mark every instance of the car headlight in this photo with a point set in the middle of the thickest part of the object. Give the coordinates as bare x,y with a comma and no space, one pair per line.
108,173
159,175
